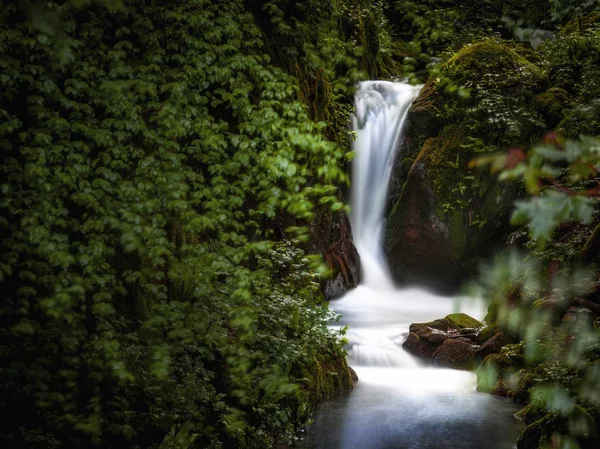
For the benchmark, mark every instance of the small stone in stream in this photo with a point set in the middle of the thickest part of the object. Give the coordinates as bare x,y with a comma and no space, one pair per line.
418,347
493,345
433,336
454,353
441,325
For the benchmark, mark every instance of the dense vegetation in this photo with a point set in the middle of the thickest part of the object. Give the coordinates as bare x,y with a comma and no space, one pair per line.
157,174
167,169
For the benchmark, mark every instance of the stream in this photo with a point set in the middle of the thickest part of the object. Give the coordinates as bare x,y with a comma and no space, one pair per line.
398,402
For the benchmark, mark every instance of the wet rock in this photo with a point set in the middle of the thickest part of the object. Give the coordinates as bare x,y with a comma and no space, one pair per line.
455,353
331,236
523,382
418,347
499,388
441,324
425,339
433,336
454,321
353,374
493,345
530,413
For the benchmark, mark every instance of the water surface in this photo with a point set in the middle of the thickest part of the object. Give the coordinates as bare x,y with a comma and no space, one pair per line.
399,402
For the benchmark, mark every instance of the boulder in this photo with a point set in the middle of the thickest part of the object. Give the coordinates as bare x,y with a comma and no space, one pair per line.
445,217
455,353
463,321
424,342
454,321
331,236
418,347
425,339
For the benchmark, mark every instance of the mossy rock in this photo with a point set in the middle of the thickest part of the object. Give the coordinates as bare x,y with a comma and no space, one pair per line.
525,381
531,436
492,312
548,431
580,24
572,61
324,376
497,370
455,354
531,413
476,60
552,105
445,212
462,321
454,321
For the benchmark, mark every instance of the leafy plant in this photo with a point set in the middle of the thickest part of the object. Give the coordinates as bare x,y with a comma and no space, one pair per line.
158,176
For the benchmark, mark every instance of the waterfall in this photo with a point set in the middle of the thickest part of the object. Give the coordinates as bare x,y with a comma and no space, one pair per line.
381,110
398,402
377,313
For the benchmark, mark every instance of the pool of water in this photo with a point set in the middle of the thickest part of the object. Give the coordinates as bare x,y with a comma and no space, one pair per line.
399,402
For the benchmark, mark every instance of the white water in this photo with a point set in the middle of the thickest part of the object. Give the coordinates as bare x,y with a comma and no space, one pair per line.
398,402
381,109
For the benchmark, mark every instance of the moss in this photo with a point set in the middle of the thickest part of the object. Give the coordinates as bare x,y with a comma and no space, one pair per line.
496,374
462,320
531,436
452,321
552,105
493,57
327,375
443,154
580,24
525,381
492,312
530,413
489,373
430,112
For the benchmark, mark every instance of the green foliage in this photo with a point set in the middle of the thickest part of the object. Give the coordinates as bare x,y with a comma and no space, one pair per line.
151,156
544,300
557,175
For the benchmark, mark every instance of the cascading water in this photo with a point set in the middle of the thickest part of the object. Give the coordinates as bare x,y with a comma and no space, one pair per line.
398,402
381,109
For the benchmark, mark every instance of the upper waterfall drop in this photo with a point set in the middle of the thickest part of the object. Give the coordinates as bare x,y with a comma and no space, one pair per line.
381,110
